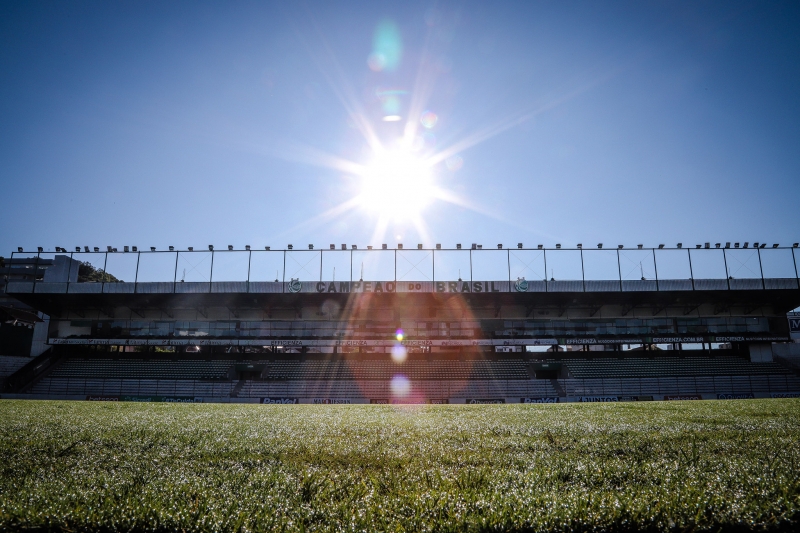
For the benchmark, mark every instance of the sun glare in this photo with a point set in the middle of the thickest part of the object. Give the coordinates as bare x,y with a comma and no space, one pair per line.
397,184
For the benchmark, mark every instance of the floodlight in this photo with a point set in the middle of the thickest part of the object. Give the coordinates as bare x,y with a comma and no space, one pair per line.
558,246
400,246
419,247
519,245
539,246
474,246
369,247
344,247
580,246
640,246
680,245
499,246
19,248
698,246
660,246
266,247
108,248
152,248
736,245
247,247
599,245
354,247
230,247
40,249
620,246
171,248
310,247
763,245
755,245
708,245
333,246
96,249
745,245
85,248
795,245
774,245
438,246
210,247
125,248
727,245
480,247
290,247
458,246
78,249
384,246
191,248
134,249
717,245
114,250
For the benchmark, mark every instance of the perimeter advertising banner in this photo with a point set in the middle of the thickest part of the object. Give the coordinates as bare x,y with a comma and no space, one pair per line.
280,401
538,400
167,399
485,400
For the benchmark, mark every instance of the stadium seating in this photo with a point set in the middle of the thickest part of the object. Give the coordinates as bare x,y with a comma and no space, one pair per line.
603,367
10,364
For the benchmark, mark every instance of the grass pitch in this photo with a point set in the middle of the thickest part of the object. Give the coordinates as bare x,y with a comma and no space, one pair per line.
655,466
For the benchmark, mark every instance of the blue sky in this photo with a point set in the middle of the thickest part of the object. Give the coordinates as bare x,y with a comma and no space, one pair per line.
188,124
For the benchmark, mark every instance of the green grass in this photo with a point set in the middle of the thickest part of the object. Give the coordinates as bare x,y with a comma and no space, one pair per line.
650,466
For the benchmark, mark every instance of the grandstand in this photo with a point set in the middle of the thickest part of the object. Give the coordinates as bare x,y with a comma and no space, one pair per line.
409,326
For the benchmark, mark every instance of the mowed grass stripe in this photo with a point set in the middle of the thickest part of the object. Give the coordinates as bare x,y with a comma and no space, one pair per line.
651,466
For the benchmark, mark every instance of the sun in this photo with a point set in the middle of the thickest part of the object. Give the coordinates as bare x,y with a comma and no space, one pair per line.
397,184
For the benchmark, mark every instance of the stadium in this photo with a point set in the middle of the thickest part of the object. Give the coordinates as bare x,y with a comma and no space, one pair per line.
407,325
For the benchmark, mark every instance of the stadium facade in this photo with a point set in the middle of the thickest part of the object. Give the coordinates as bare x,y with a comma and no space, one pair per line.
411,325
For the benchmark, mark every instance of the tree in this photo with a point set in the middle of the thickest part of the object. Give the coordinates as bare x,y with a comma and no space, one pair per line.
88,273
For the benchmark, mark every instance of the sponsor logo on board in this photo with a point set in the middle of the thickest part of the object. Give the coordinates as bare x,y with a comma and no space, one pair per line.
636,398
280,401
294,285
521,285
682,397
102,398
331,400
786,394
438,401
168,399
742,396
599,398
538,400
485,400
379,400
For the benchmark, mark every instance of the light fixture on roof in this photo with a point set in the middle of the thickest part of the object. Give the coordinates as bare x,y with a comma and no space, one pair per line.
108,248
19,248
152,248
384,246
354,247
519,245
774,245
620,246
230,247
124,248
419,247
727,245
540,246
134,249
708,245
78,249
499,246
698,246
369,247
438,246
755,245
660,246
96,249
40,249
640,246
680,245
310,246
191,249
290,247
795,245
580,246
266,247
763,245
717,245
558,246
171,248
247,247
600,245
399,246
458,246
210,247
736,245
745,245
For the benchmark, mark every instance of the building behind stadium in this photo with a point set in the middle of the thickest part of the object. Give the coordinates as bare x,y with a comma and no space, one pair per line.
404,324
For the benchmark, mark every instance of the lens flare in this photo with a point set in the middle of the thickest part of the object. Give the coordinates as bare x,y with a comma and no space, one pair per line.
399,353
400,386
376,62
387,44
428,119
399,334
454,163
